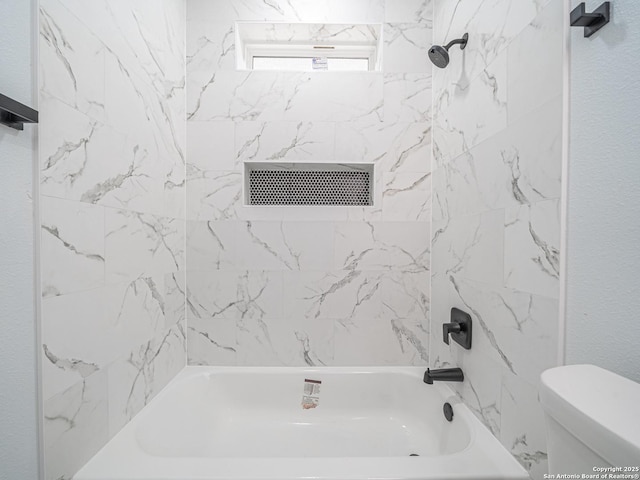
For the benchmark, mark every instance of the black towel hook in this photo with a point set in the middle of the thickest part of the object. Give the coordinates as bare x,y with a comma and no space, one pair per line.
592,22
14,114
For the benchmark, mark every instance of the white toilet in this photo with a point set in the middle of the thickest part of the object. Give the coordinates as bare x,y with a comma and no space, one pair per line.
593,420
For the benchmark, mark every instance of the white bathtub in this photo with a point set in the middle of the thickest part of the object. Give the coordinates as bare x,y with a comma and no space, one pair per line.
249,423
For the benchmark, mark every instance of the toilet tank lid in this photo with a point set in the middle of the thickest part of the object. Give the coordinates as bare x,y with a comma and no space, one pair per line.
597,406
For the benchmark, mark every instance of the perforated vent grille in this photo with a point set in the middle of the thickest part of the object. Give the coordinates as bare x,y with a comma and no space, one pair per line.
309,187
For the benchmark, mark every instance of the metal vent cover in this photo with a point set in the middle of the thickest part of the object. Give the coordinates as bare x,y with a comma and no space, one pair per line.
309,184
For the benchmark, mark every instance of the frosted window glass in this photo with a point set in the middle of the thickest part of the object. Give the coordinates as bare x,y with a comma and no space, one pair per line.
305,64
349,64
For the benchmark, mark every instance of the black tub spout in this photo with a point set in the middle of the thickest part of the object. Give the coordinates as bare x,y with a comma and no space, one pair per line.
443,375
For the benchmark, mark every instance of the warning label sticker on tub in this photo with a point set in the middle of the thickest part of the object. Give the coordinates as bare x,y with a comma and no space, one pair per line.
311,393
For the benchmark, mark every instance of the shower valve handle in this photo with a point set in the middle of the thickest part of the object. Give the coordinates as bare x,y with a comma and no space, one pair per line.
459,329
449,328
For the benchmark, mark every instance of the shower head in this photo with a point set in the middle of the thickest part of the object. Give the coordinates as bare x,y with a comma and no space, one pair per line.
439,55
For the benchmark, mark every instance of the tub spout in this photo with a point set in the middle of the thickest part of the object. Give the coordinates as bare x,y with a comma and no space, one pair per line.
443,375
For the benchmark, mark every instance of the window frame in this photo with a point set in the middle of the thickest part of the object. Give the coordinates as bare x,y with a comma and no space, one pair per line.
311,51
308,40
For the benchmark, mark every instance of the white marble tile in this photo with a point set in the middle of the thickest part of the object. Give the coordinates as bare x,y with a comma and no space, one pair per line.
390,246
93,163
132,106
480,390
303,342
284,141
520,165
356,247
175,298
72,246
212,341
532,248
76,339
338,96
465,115
406,196
314,213
149,42
235,96
481,387
137,311
406,295
147,52
175,193
83,332
518,330
497,152
255,343
71,60
304,33
336,11
381,340
80,159
234,295
160,42
535,79
524,435
395,146
112,135
211,146
136,378
140,244
213,195
470,247
75,426
285,245
407,97
406,46
133,182
491,26
331,295
408,11
210,47
441,301
213,245
266,96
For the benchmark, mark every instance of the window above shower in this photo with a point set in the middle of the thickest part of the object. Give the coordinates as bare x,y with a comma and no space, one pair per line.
308,47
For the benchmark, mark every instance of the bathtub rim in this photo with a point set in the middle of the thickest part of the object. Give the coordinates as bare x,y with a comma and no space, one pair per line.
144,466
443,392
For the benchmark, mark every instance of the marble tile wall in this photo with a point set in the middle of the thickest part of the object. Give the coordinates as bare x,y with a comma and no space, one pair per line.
112,183
308,285
132,200
497,153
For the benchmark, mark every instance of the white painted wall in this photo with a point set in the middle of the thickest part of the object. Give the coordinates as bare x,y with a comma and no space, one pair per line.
18,398
603,258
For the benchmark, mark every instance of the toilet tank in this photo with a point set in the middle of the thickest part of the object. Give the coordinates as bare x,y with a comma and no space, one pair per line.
593,420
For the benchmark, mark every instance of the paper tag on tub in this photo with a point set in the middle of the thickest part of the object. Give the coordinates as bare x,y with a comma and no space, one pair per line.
311,394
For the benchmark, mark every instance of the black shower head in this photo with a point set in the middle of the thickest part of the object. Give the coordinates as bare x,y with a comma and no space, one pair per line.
439,55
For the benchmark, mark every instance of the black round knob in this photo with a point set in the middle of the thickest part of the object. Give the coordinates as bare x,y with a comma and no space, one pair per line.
447,409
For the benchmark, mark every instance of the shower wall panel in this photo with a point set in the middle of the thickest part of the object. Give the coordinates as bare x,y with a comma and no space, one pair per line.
308,285
112,182
497,143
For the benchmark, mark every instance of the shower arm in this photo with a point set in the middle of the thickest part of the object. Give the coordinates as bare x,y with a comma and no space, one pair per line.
457,41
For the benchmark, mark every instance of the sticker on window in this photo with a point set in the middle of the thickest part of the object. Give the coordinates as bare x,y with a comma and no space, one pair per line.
320,63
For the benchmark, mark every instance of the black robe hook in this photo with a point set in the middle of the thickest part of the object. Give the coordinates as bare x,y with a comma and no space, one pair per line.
592,22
